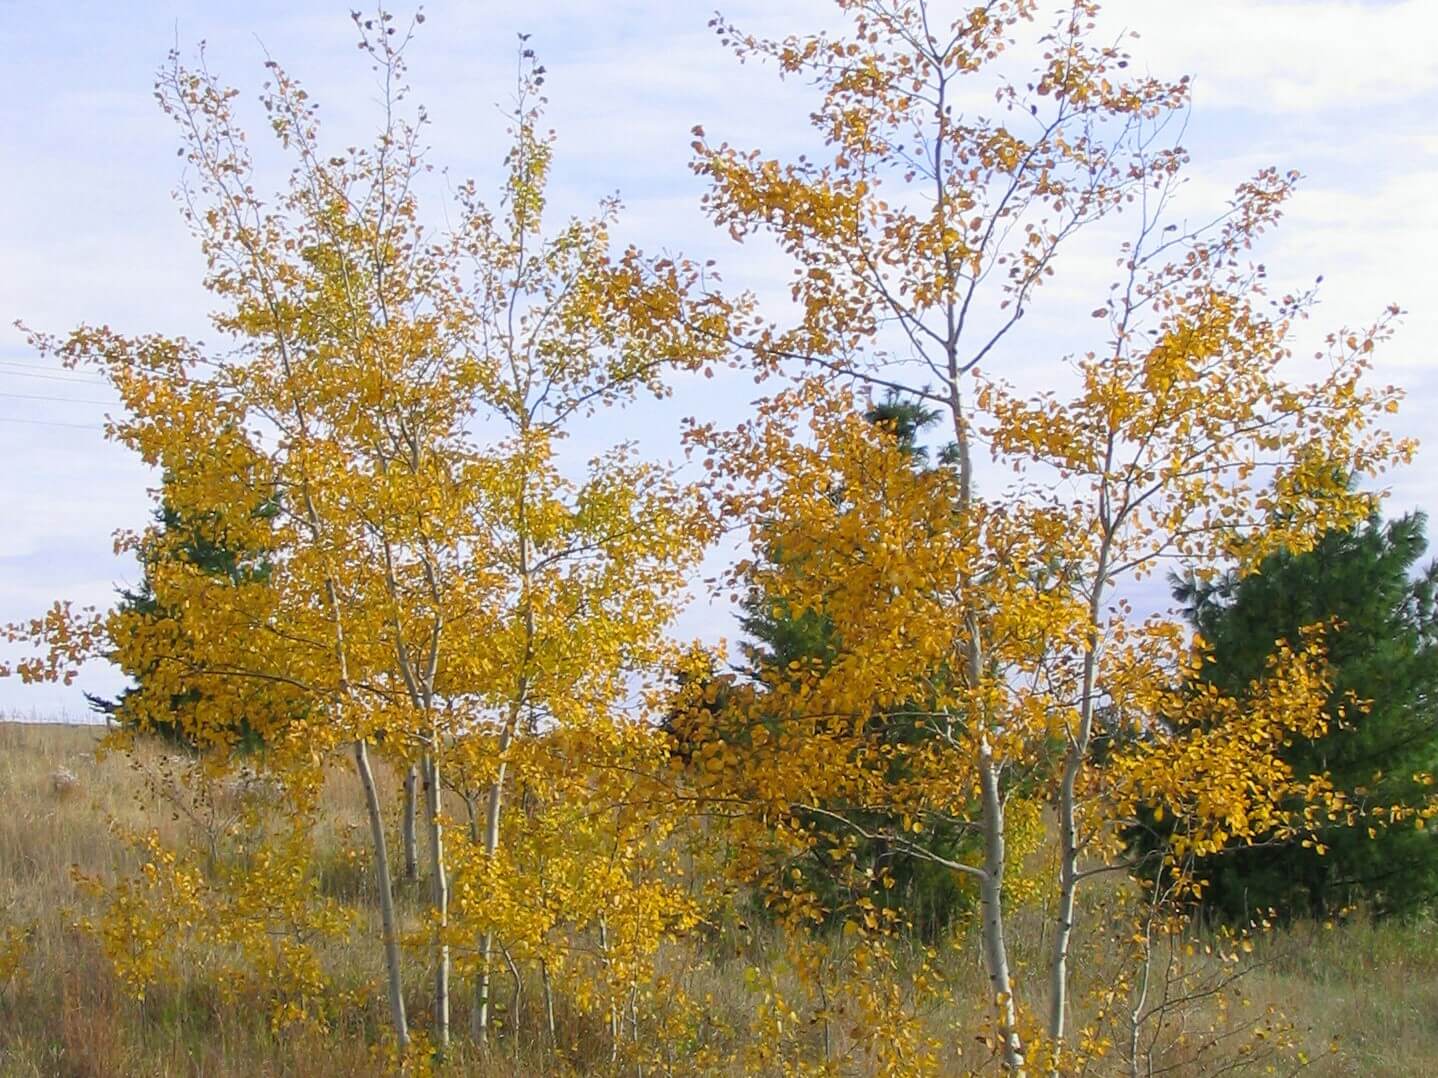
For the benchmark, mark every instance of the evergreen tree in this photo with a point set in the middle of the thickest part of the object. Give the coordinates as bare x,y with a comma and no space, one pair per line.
1383,647
778,636
205,546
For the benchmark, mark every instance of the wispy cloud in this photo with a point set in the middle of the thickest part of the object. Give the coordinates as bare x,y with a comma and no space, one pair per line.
1290,56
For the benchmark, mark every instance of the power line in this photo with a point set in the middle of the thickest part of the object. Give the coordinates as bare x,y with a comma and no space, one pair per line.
49,372
32,363
50,423
62,400
52,377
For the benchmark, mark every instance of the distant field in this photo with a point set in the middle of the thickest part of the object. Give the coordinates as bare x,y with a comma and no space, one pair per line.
67,718
1371,990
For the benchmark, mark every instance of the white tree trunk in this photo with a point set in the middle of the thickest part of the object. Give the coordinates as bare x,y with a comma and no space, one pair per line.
480,1021
386,895
1068,887
411,851
991,913
1068,884
440,885
1074,761
548,1002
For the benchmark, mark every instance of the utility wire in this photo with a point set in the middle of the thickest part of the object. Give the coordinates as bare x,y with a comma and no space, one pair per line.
4,369
61,400
42,366
50,423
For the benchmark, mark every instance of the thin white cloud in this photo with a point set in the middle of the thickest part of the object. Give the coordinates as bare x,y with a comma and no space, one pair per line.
1289,56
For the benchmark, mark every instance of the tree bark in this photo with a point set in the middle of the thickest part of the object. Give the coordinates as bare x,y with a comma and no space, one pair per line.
386,895
548,1001
440,885
480,1021
613,1003
514,1001
411,852
1074,761
991,912
1068,885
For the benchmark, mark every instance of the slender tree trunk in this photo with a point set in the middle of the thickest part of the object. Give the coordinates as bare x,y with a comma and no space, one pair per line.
479,1023
991,912
411,852
479,1020
514,1000
634,1027
386,895
1135,1015
1074,761
824,1006
613,1003
440,884
1068,888
473,815
548,1001
991,884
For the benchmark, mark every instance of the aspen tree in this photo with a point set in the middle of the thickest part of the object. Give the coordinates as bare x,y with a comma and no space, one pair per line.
946,193
426,578
587,571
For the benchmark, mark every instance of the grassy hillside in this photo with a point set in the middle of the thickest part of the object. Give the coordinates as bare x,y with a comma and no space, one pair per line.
1371,990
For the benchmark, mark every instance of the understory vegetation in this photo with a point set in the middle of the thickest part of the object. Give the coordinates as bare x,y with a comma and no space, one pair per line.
1363,994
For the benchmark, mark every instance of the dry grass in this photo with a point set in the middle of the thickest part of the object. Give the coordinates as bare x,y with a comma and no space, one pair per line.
65,1014
1372,988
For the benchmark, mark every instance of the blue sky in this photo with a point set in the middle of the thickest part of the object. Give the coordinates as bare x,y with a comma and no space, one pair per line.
1345,92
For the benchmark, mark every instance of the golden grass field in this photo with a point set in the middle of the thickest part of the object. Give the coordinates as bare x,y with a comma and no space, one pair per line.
1363,997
